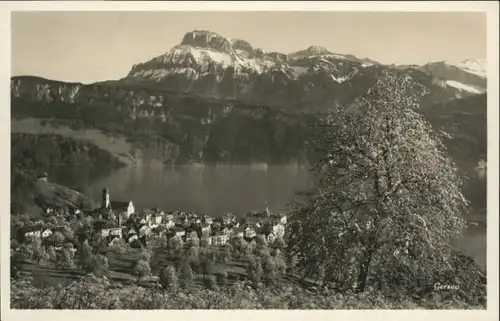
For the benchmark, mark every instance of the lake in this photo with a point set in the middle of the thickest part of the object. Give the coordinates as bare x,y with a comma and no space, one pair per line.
212,190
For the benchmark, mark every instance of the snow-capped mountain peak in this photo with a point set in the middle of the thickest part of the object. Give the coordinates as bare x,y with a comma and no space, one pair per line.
474,66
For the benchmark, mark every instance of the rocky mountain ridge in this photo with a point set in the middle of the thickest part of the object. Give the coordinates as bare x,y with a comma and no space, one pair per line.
212,66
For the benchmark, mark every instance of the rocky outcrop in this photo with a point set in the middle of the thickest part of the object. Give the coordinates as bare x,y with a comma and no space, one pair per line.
166,127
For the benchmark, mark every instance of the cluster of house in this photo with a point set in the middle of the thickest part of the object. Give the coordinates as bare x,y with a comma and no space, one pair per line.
121,221
116,221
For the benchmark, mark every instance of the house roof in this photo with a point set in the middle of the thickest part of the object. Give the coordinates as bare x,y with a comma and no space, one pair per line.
119,205
28,229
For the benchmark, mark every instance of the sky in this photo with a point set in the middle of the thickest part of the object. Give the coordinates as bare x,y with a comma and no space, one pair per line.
95,46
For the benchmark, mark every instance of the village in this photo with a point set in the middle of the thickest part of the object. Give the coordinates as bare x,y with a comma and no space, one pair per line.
119,221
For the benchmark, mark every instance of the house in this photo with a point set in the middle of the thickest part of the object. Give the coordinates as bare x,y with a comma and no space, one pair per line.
113,240
155,220
250,232
144,230
278,230
133,238
105,232
191,237
169,217
279,218
44,177
169,224
33,233
219,240
159,211
236,232
226,231
116,231
148,214
207,220
159,230
205,228
270,238
124,208
46,233
228,218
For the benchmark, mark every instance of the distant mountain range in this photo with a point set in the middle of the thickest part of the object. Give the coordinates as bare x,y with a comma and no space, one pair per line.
215,100
212,66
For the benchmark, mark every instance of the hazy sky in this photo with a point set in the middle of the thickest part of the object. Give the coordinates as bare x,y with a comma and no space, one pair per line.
94,46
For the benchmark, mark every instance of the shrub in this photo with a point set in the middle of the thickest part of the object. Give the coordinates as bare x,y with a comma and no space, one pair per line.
186,274
222,278
211,282
168,278
142,268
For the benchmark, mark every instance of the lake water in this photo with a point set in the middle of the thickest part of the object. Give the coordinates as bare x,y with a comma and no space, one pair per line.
212,190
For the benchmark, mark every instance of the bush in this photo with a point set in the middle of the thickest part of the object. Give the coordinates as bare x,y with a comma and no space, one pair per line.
109,295
211,282
222,278
186,274
169,279
142,268
65,259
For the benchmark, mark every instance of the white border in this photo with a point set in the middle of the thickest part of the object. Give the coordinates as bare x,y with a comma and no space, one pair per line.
491,7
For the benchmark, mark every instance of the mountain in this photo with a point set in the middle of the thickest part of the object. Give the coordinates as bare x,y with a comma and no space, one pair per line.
33,196
468,76
310,80
464,124
144,125
214,100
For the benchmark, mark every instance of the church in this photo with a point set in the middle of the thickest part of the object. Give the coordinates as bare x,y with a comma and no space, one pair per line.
121,209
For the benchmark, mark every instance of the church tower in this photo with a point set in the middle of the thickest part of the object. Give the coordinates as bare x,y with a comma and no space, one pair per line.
105,198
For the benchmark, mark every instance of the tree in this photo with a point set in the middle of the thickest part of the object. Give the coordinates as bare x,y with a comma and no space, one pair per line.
68,233
142,268
206,264
270,271
193,240
222,278
262,249
168,278
65,258
175,243
186,274
254,270
86,260
204,240
211,282
226,252
292,263
57,238
37,249
193,256
51,251
387,199
145,255
279,243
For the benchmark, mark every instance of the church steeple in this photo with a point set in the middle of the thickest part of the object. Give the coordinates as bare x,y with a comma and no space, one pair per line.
105,198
